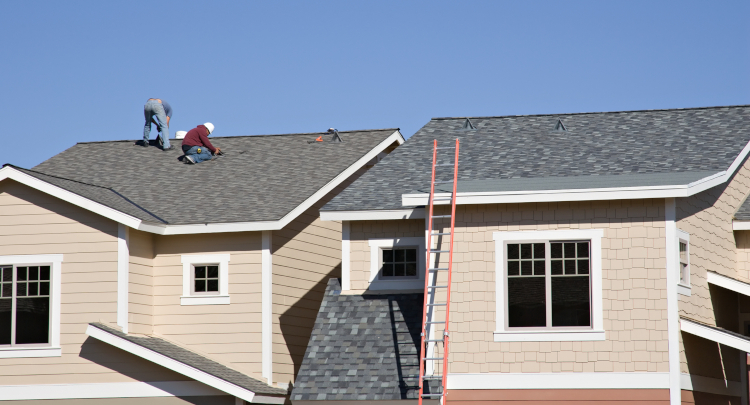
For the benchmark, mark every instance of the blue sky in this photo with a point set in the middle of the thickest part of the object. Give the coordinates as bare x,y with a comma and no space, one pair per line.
78,71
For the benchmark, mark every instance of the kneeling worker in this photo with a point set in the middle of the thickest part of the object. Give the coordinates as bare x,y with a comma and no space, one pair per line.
196,145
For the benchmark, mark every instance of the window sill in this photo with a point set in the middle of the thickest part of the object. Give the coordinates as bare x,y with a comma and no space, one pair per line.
683,289
544,336
13,353
205,300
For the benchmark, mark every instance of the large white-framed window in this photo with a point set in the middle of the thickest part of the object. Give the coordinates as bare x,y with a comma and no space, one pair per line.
30,305
205,279
397,263
549,285
683,249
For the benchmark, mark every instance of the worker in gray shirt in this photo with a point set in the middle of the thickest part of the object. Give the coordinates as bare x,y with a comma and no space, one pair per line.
160,112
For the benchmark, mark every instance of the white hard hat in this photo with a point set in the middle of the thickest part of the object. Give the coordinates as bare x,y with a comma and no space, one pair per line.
210,127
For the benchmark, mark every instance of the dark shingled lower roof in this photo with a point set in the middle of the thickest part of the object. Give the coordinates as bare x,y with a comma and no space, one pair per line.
743,213
196,361
261,178
608,149
363,347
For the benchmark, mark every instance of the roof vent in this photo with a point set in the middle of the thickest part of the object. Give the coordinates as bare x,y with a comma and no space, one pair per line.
560,127
468,126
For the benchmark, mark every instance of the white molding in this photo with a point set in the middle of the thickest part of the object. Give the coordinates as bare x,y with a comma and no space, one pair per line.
586,194
373,215
597,310
740,225
106,390
123,270
188,298
346,252
700,330
412,283
717,386
267,306
534,381
673,327
170,363
728,283
9,172
683,289
53,350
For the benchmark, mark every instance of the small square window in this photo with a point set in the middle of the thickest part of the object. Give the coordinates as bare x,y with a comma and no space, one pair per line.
206,279
684,263
399,263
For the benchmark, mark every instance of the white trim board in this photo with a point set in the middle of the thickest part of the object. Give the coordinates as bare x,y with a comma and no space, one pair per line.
535,381
266,329
728,283
699,383
740,225
346,262
374,215
123,273
171,364
12,173
673,333
700,330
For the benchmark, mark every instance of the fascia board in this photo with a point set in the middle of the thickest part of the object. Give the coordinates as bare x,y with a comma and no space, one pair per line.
615,193
713,335
9,172
374,215
728,283
740,225
171,364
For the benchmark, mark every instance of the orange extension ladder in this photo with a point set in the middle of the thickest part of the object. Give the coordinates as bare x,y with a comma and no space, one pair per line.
431,288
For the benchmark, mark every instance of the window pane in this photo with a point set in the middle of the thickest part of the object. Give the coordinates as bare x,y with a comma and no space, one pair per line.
400,255
43,288
200,272
513,268
539,250
583,267
6,306
388,270
7,290
32,320
21,289
539,267
33,289
34,273
570,267
570,250
556,250
526,251
399,270
583,249
213,285
557,267
387,255
526,268
200,285
213,271
7,273
526,302
513,251
21,273
570,301
411,269
44,273
411,255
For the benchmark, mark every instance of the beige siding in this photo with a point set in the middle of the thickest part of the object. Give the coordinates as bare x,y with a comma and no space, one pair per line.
634,290
141,283
306,253
227,333
35,223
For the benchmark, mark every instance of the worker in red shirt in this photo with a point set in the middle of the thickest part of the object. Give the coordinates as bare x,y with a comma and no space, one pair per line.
196,146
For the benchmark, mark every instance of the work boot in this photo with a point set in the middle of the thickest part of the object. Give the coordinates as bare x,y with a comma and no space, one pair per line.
189,160
171,147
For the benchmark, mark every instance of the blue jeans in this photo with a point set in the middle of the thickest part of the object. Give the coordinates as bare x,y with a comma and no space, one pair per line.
199,157
154,108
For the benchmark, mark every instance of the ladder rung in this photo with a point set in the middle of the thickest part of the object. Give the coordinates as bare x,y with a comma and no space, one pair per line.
438,269
439,251
431,395
436,305
445,164
435,322
446,147
433,377
440,233
433,340
446,181
434,358
441,216
437,286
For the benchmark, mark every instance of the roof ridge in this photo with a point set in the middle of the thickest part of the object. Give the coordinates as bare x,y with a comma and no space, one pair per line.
596,112
58,177
254,136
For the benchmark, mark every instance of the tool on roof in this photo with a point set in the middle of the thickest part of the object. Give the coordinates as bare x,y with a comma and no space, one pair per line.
434,297
336,138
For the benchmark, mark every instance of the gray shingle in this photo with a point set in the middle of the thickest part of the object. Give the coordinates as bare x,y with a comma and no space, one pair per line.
525,152
261,178
196,361
363,347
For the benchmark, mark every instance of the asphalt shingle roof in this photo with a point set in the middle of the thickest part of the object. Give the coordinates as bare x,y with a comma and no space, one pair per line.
261,178
196,361
363,347
619,149
743,213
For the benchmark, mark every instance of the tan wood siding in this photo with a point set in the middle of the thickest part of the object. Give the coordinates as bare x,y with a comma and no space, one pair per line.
141,282
560,397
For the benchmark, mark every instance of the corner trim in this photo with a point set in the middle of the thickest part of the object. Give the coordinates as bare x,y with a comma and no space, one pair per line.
267,306
123,269
170,363
346,261
673,327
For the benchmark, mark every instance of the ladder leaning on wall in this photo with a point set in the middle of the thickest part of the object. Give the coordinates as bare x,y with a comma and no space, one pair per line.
434,298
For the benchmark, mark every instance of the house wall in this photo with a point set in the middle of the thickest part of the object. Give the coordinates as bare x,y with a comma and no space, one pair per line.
32,222
634,287
226,333
141,282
